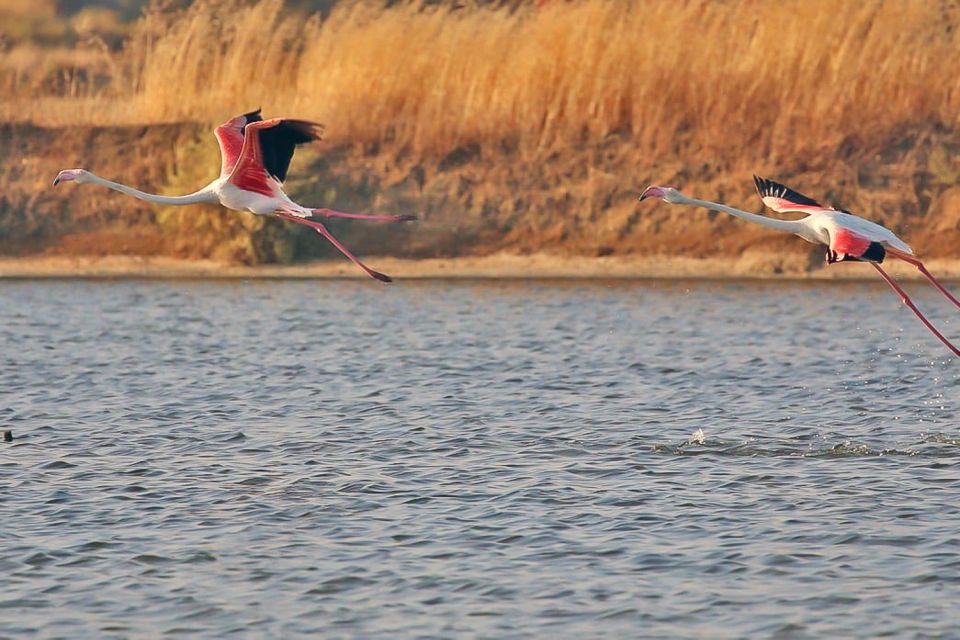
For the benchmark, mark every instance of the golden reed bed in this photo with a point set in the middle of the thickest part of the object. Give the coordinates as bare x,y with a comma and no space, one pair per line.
739,81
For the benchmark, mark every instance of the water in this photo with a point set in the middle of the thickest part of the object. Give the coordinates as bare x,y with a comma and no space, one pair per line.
486,459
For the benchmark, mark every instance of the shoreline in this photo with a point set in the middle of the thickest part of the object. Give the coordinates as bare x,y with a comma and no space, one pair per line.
498,266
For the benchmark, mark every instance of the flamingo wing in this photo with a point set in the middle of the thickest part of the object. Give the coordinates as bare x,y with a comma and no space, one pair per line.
783,199
849,242
279,142
249,172
268,146
230,138
231,141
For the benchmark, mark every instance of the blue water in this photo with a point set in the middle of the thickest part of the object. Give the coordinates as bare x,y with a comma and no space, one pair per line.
476,459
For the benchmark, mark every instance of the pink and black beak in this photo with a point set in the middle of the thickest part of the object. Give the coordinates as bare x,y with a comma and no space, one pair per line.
654,191
65,176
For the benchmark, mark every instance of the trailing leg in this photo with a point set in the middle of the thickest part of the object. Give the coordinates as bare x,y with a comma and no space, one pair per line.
929,276
322,230
330,213
907,301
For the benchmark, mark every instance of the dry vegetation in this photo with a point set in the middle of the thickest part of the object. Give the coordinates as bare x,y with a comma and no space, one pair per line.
757,77
695,91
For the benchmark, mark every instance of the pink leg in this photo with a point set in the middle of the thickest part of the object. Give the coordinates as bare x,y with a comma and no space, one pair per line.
929,276
322,230
907,301
330,213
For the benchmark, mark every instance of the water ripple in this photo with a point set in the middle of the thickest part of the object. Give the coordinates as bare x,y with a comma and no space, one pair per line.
281,459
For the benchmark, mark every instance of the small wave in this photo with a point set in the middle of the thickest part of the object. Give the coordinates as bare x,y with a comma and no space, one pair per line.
697,444
940,438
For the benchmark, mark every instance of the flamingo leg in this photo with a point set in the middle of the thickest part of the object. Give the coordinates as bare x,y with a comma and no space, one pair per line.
929,276
907,301
330,213
322,230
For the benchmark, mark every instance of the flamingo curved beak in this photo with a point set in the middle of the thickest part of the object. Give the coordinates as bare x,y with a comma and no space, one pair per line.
653,191
65,176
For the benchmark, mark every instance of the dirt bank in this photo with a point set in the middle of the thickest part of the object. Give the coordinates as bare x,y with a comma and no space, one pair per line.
571,202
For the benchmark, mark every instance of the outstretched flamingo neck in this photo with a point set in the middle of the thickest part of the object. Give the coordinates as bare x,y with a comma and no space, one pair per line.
790,226
203,195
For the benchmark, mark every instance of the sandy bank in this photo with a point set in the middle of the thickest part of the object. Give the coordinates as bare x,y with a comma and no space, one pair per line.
506,266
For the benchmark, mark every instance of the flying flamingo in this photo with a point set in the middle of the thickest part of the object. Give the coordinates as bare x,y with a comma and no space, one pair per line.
255,156
847,237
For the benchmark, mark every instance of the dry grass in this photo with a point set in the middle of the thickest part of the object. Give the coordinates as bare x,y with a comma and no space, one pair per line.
730,80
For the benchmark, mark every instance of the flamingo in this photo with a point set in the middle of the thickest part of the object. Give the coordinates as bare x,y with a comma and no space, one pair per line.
846,236
255,156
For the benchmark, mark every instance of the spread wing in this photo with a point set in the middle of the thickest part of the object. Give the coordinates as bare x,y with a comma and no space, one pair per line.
231,141
249,173
230,138
782,199
845,240
279,142
268,146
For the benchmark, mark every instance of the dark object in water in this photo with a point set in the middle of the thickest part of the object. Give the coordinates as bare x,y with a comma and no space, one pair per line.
8,436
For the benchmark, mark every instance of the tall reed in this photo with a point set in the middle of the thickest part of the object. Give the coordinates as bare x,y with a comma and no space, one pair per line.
735,78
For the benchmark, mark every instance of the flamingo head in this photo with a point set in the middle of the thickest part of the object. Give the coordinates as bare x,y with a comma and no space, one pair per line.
240,122
79,175
667,194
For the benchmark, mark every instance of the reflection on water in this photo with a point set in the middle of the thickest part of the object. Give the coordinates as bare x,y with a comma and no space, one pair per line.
278,458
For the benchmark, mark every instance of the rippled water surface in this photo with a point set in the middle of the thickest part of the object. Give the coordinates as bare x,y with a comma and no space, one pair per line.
476,459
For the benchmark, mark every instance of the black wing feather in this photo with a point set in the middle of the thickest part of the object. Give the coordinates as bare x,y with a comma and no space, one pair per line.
775,189
278,144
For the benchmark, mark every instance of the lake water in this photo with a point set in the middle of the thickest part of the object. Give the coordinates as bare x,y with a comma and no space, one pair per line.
476,459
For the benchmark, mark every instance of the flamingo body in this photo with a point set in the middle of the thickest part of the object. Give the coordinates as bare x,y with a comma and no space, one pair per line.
261,200
255,156
846,236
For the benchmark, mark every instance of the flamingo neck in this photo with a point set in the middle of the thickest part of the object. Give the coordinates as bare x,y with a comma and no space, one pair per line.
790,226
203,195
